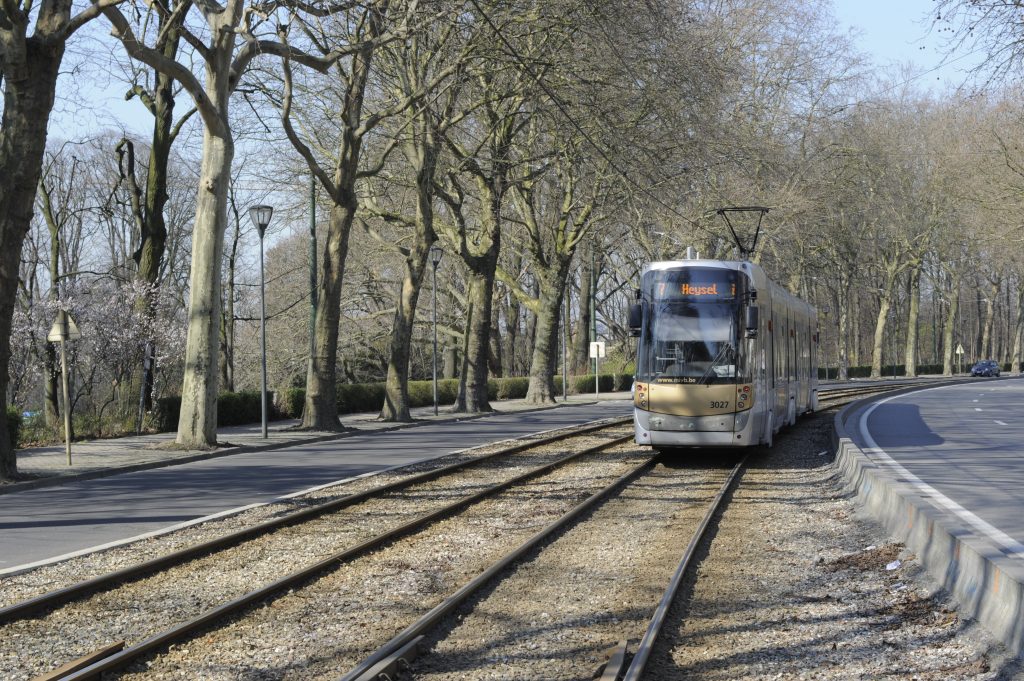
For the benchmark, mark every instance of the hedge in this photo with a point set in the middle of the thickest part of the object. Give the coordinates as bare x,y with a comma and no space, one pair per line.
14,426
233,409
865,371
244,407
355,397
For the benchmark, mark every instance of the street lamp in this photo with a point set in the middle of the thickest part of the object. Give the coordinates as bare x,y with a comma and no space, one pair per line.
436,253
260,216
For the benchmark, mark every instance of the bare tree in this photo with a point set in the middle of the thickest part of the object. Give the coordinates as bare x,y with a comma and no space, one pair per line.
231,43
993,27
427,72
367,25
32,44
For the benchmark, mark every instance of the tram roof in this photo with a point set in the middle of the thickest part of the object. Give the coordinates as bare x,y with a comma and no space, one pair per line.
754,271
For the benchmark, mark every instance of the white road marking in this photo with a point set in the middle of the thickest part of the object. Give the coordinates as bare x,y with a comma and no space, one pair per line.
1001,423
1014,548
977,409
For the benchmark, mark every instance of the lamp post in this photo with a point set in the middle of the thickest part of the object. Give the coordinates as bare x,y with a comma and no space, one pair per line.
64,329
436,253
260,216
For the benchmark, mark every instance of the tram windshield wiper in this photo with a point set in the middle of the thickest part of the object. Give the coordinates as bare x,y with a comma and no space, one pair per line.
726,347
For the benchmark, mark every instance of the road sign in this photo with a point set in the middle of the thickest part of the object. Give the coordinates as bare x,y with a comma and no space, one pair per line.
597,350
959,349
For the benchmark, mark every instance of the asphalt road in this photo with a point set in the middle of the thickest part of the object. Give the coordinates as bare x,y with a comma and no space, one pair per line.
962,447
42,524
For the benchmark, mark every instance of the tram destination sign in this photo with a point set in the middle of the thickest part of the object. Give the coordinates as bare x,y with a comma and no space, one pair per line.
696,284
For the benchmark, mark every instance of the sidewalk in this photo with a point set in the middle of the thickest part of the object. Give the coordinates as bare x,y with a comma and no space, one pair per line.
46,466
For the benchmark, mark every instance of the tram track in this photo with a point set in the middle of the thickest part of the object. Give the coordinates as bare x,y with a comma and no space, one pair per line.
205,578
296,512
560,613
833,395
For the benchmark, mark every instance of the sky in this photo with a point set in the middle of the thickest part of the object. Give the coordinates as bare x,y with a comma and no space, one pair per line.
897,31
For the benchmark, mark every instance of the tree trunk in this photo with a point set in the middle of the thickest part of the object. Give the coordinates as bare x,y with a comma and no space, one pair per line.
913,314
321,409
581,341
321,412
473,387
396,385
530,333
422,151
51,386
877,348
29,88
544,360
843,336
1018,333
153,237
495,357
949,327
227,326
197,424
482,264
987,343
227,338
513,317
451,361
856,348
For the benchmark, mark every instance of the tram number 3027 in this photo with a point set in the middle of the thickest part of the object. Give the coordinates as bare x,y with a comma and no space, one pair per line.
719,405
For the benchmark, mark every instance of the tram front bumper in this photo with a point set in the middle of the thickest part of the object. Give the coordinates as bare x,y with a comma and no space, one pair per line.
687,431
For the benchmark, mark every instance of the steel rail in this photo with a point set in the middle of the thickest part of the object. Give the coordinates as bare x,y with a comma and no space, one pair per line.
63,672
885,384
133,572
839,393
360,672
643,652
850,393
235,606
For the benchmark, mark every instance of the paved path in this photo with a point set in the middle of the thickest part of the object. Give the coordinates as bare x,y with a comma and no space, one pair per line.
73,513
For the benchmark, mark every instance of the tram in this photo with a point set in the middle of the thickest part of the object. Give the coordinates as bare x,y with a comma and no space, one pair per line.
725,357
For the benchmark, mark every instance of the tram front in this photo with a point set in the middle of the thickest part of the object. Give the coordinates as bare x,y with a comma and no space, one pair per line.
697,332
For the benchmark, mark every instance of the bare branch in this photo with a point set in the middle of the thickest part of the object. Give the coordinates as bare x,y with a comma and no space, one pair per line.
136,49
293,137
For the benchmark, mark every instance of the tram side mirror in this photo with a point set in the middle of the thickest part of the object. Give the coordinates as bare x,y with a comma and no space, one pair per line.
636,319
752,321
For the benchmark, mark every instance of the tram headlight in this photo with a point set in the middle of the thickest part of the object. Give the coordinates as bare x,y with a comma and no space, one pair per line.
741,419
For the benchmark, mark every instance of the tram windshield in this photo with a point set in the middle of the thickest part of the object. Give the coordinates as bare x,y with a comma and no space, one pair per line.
691,334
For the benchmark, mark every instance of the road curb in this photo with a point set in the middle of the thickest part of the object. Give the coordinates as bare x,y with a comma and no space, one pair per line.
57,480
987,584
